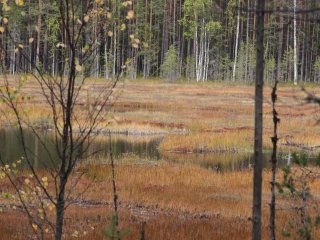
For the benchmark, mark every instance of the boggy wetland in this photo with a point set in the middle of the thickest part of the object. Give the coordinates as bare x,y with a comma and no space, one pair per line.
159,119
182,154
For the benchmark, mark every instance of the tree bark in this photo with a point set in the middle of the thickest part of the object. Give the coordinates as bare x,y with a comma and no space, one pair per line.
295,58
60,210
276,120
257,188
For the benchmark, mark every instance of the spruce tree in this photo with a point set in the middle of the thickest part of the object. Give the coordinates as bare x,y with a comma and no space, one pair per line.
170,66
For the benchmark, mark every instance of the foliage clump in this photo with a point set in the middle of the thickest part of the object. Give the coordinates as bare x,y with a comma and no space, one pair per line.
170,66
303,207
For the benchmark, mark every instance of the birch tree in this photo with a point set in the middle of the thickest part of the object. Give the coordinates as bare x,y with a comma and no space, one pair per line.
236,45
201,27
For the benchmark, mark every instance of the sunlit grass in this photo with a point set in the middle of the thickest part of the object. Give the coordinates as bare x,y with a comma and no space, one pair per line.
171,199
207,142
214,115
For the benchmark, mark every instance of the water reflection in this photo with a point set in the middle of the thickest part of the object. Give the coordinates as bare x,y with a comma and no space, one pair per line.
11,148
141,147
224,161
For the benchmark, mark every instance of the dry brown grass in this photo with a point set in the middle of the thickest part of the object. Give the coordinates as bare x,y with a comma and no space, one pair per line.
177,202
180,202
215,116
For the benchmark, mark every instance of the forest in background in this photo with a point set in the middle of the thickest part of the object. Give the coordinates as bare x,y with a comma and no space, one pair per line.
192,39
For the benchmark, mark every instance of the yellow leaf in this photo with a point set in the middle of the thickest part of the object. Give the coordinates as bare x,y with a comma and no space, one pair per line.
35,227
135,45
2,29
137,41
86,18
146,45
130,14
5,20
109,15
31,40
75,234
62,45
128,61
51,207
78,67
21,46
110,33
6,8
123,27
20,2
127,3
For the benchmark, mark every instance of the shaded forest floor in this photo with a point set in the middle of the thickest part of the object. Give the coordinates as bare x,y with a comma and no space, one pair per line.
178,201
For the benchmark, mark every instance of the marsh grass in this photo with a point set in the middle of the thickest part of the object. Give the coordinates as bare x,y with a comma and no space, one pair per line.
207,112
177,202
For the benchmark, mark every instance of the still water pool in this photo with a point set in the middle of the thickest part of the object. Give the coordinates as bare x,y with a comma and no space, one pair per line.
144,148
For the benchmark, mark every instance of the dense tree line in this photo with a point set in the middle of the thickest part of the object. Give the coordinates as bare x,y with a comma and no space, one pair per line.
209,39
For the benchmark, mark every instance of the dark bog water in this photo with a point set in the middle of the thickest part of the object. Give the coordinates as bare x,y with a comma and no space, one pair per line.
42,152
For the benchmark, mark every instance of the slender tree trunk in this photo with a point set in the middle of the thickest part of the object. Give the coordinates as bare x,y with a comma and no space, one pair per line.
53,63
272,225
195,47
106,62
295,58
279,58
13,61
247,44
60,209
38,32
36,153
114,51
237,44
257,187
